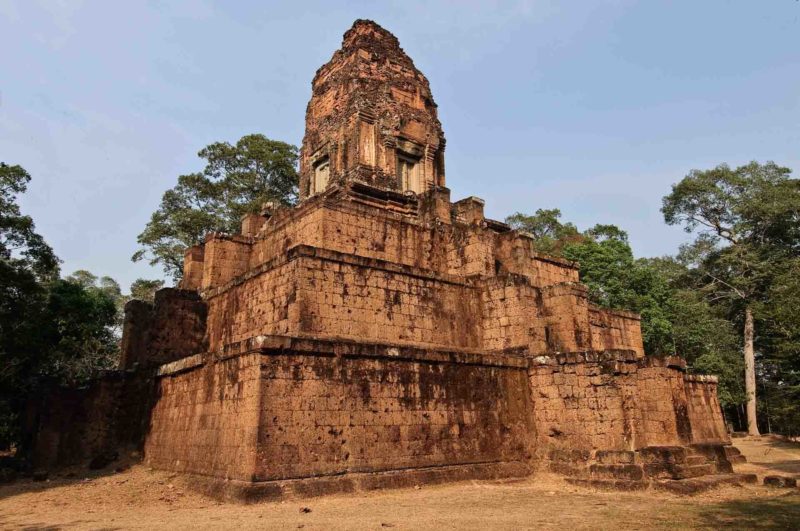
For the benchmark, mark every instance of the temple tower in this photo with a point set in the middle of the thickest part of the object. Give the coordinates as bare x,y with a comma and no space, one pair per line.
371,119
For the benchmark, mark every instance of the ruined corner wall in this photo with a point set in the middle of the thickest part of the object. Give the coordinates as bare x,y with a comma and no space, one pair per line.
615,330
704,410
312,408
616,401
172,327
72,426
205,421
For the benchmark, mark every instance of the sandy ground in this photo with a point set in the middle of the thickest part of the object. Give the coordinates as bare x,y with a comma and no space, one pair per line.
141,498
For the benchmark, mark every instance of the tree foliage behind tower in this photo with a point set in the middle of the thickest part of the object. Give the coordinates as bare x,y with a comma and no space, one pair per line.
675,320
237,180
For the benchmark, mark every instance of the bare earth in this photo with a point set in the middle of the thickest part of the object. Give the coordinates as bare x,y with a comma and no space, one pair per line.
140,498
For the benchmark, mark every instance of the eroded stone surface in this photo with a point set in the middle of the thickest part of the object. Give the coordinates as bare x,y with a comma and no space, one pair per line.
379,327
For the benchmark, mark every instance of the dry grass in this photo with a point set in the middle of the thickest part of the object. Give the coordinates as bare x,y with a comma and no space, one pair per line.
142,499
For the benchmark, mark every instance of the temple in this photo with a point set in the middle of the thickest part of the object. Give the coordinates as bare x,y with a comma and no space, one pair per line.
378,334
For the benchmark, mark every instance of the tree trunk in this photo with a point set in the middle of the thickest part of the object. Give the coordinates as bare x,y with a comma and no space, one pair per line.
750,372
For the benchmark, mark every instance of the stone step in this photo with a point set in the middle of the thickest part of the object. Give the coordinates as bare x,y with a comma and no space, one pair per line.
780,481
664,454
716,453
694,460
610,484
734,455
615,457
575,470
625,472
704,483
731,450
694,471
678,471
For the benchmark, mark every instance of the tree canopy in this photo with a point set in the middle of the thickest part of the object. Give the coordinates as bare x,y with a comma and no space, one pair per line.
237,180
675,320
52,330
747,226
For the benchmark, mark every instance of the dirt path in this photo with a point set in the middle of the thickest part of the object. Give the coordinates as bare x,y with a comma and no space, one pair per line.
143,499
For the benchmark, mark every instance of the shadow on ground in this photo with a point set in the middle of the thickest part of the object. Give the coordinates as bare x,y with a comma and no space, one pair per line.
63,477
771,513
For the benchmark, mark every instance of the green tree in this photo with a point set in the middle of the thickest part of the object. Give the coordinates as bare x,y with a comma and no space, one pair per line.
779,342
707,340
237,180
21,247
145,290
675,320
26,262
549,233
79,329
51,330
747,221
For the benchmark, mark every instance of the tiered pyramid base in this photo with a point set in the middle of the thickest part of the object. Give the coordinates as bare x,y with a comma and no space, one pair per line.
679,469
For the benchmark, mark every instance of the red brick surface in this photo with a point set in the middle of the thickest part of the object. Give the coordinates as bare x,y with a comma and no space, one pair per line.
376,327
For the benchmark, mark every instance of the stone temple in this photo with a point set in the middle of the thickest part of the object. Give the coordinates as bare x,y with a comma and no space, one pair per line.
378,334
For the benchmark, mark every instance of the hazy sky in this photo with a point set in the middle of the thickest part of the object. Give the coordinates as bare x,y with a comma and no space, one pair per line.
592,107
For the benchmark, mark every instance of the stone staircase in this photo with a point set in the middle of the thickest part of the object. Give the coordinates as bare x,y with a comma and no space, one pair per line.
681,469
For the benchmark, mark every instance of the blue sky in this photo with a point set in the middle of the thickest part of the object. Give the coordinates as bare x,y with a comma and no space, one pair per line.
595,108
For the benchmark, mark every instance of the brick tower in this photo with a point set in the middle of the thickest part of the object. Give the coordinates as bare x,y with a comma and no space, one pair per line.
378,334
372,119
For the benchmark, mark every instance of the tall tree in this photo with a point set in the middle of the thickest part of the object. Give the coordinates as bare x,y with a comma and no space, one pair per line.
145,290
550,235
51,330
747,220
237,180
21,247
26,263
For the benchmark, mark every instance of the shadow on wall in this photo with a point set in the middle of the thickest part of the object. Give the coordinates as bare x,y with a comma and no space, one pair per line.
88,432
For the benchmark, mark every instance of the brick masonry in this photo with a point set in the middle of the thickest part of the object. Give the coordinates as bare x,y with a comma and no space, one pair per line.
379,330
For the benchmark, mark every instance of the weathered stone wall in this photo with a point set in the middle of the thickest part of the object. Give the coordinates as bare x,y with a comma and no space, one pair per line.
206,419
661,403
704,410
173,327
357,298
583,401
178,327
225,258
615,330
136,326
323,415
264,303
512,313
565,318
69,426
613,400
324,408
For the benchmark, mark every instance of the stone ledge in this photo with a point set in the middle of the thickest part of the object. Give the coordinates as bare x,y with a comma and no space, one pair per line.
588,356
309,251
181,365
253,492
701,378
625,314
274,345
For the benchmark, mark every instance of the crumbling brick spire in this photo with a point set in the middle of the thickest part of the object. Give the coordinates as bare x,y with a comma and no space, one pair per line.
371,118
